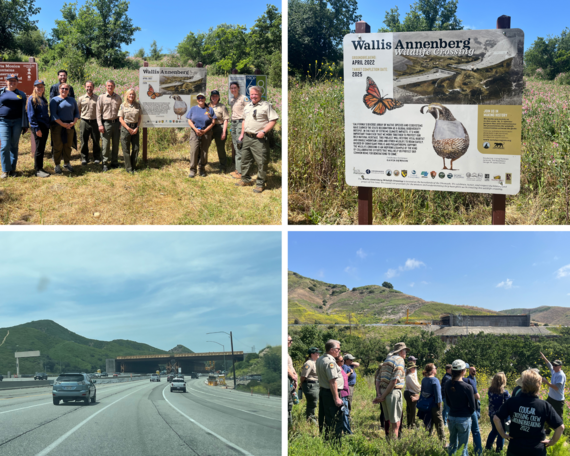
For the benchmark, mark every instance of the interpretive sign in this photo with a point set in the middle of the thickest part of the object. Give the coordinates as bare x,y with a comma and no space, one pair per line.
246,81
166,94
434,110
27,74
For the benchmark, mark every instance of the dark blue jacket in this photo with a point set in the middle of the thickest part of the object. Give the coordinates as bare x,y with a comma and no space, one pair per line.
24,113
38,114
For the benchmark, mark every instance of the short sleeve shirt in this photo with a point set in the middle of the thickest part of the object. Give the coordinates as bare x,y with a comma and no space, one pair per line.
201,117
328,369
237,105
131,113
393,368
309,370
351,377
108,107
528,416
258,116
221,113
558,379
88,106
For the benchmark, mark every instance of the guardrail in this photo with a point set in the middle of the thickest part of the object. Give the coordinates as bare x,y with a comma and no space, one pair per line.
21,384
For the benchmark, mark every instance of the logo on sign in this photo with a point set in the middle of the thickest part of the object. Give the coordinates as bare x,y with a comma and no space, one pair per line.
404,173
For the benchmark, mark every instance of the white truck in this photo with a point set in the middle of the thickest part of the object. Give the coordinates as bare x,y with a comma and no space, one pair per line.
178,384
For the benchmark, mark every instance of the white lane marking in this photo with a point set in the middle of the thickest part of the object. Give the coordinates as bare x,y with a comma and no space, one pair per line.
15,410
55,444
237,400
240,410
227,442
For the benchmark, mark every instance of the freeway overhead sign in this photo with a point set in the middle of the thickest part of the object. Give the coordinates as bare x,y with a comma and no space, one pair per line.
434,110
28,354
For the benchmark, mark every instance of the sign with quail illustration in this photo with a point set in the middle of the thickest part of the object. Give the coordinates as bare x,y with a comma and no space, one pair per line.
434,110
166,94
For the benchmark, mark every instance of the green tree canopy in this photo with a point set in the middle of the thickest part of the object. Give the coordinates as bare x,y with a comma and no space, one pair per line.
316,30
424,15
551,54
155,53
388,285
15,20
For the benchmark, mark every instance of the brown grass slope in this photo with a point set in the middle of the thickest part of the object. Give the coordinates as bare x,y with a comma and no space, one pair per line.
553,315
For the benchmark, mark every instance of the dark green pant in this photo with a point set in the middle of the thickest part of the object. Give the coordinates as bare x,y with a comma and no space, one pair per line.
111,138
258,150
330,416
236,132
128,140
61,149
218,130
311,393
89,128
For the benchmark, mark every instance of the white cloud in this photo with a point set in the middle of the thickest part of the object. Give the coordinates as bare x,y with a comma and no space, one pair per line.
350,270
361,253
411,263
424,282
507,284
564,271
412,284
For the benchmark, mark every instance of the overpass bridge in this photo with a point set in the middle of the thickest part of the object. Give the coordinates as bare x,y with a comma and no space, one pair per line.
188,362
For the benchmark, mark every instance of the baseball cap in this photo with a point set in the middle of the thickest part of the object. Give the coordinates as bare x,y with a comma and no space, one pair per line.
313,350
349,356
557,362
412,358
458,365
38,82
466,366
200,95
11,76
214,92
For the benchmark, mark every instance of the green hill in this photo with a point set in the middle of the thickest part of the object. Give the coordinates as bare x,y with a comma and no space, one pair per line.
313,301
180,349
61,349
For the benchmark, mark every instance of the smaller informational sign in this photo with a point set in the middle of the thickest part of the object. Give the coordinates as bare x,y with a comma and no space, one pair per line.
28,354
27,74
246,81
166,94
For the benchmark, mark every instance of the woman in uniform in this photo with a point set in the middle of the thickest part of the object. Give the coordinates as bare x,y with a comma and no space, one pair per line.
130,116
38,115
220,127
237,104
310,383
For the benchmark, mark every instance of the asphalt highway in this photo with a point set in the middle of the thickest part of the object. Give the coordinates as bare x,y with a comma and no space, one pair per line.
141,418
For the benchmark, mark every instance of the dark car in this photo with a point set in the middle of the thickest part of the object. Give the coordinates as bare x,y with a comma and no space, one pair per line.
104,374
40,376
169,378
74,387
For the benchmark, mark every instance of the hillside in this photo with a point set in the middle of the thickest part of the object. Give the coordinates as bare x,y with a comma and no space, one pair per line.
315,301
180,349
60,347
553,315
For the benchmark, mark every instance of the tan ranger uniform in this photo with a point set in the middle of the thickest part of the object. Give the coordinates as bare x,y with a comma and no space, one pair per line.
330,415
237,105
131,114
108,117
89,128
256,118
310,387
222,116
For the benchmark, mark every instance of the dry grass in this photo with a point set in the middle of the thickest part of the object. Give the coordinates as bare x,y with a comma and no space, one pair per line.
160,193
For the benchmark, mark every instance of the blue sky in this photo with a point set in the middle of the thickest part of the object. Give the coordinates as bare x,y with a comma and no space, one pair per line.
534,18
169,22
493,270
160,288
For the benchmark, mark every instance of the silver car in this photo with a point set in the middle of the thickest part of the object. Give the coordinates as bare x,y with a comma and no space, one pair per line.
74,387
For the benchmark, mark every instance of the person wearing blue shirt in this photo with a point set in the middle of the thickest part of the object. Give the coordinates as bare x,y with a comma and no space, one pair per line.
555,387
38,116
64,116
444,380
200,118
431,390
477,443
349,367
62,78
13,123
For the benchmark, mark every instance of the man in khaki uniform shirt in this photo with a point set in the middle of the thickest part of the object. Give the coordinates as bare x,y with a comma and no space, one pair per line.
260,118
108,120
310,383
331,382
87,105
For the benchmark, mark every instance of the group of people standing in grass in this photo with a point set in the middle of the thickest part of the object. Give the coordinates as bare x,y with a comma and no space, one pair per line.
520,418
108,117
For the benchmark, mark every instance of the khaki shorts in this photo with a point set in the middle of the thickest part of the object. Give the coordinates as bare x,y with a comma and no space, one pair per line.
393,406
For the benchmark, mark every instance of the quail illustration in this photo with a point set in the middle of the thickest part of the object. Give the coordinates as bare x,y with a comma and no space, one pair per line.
180,106
450,138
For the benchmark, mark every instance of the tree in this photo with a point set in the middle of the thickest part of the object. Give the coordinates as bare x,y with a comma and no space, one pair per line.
140,53
155,53
551,54
316,30
32,43
15,19
388,285
424,15
227,47
192,48
98,29
264,42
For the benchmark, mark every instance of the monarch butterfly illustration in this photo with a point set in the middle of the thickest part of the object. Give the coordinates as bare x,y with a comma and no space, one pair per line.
152,94
373,100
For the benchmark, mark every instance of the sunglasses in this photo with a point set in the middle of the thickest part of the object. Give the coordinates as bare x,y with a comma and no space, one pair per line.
201,98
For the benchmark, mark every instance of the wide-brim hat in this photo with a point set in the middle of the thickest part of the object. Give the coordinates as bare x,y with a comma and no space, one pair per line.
399,347
411,366
557,362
